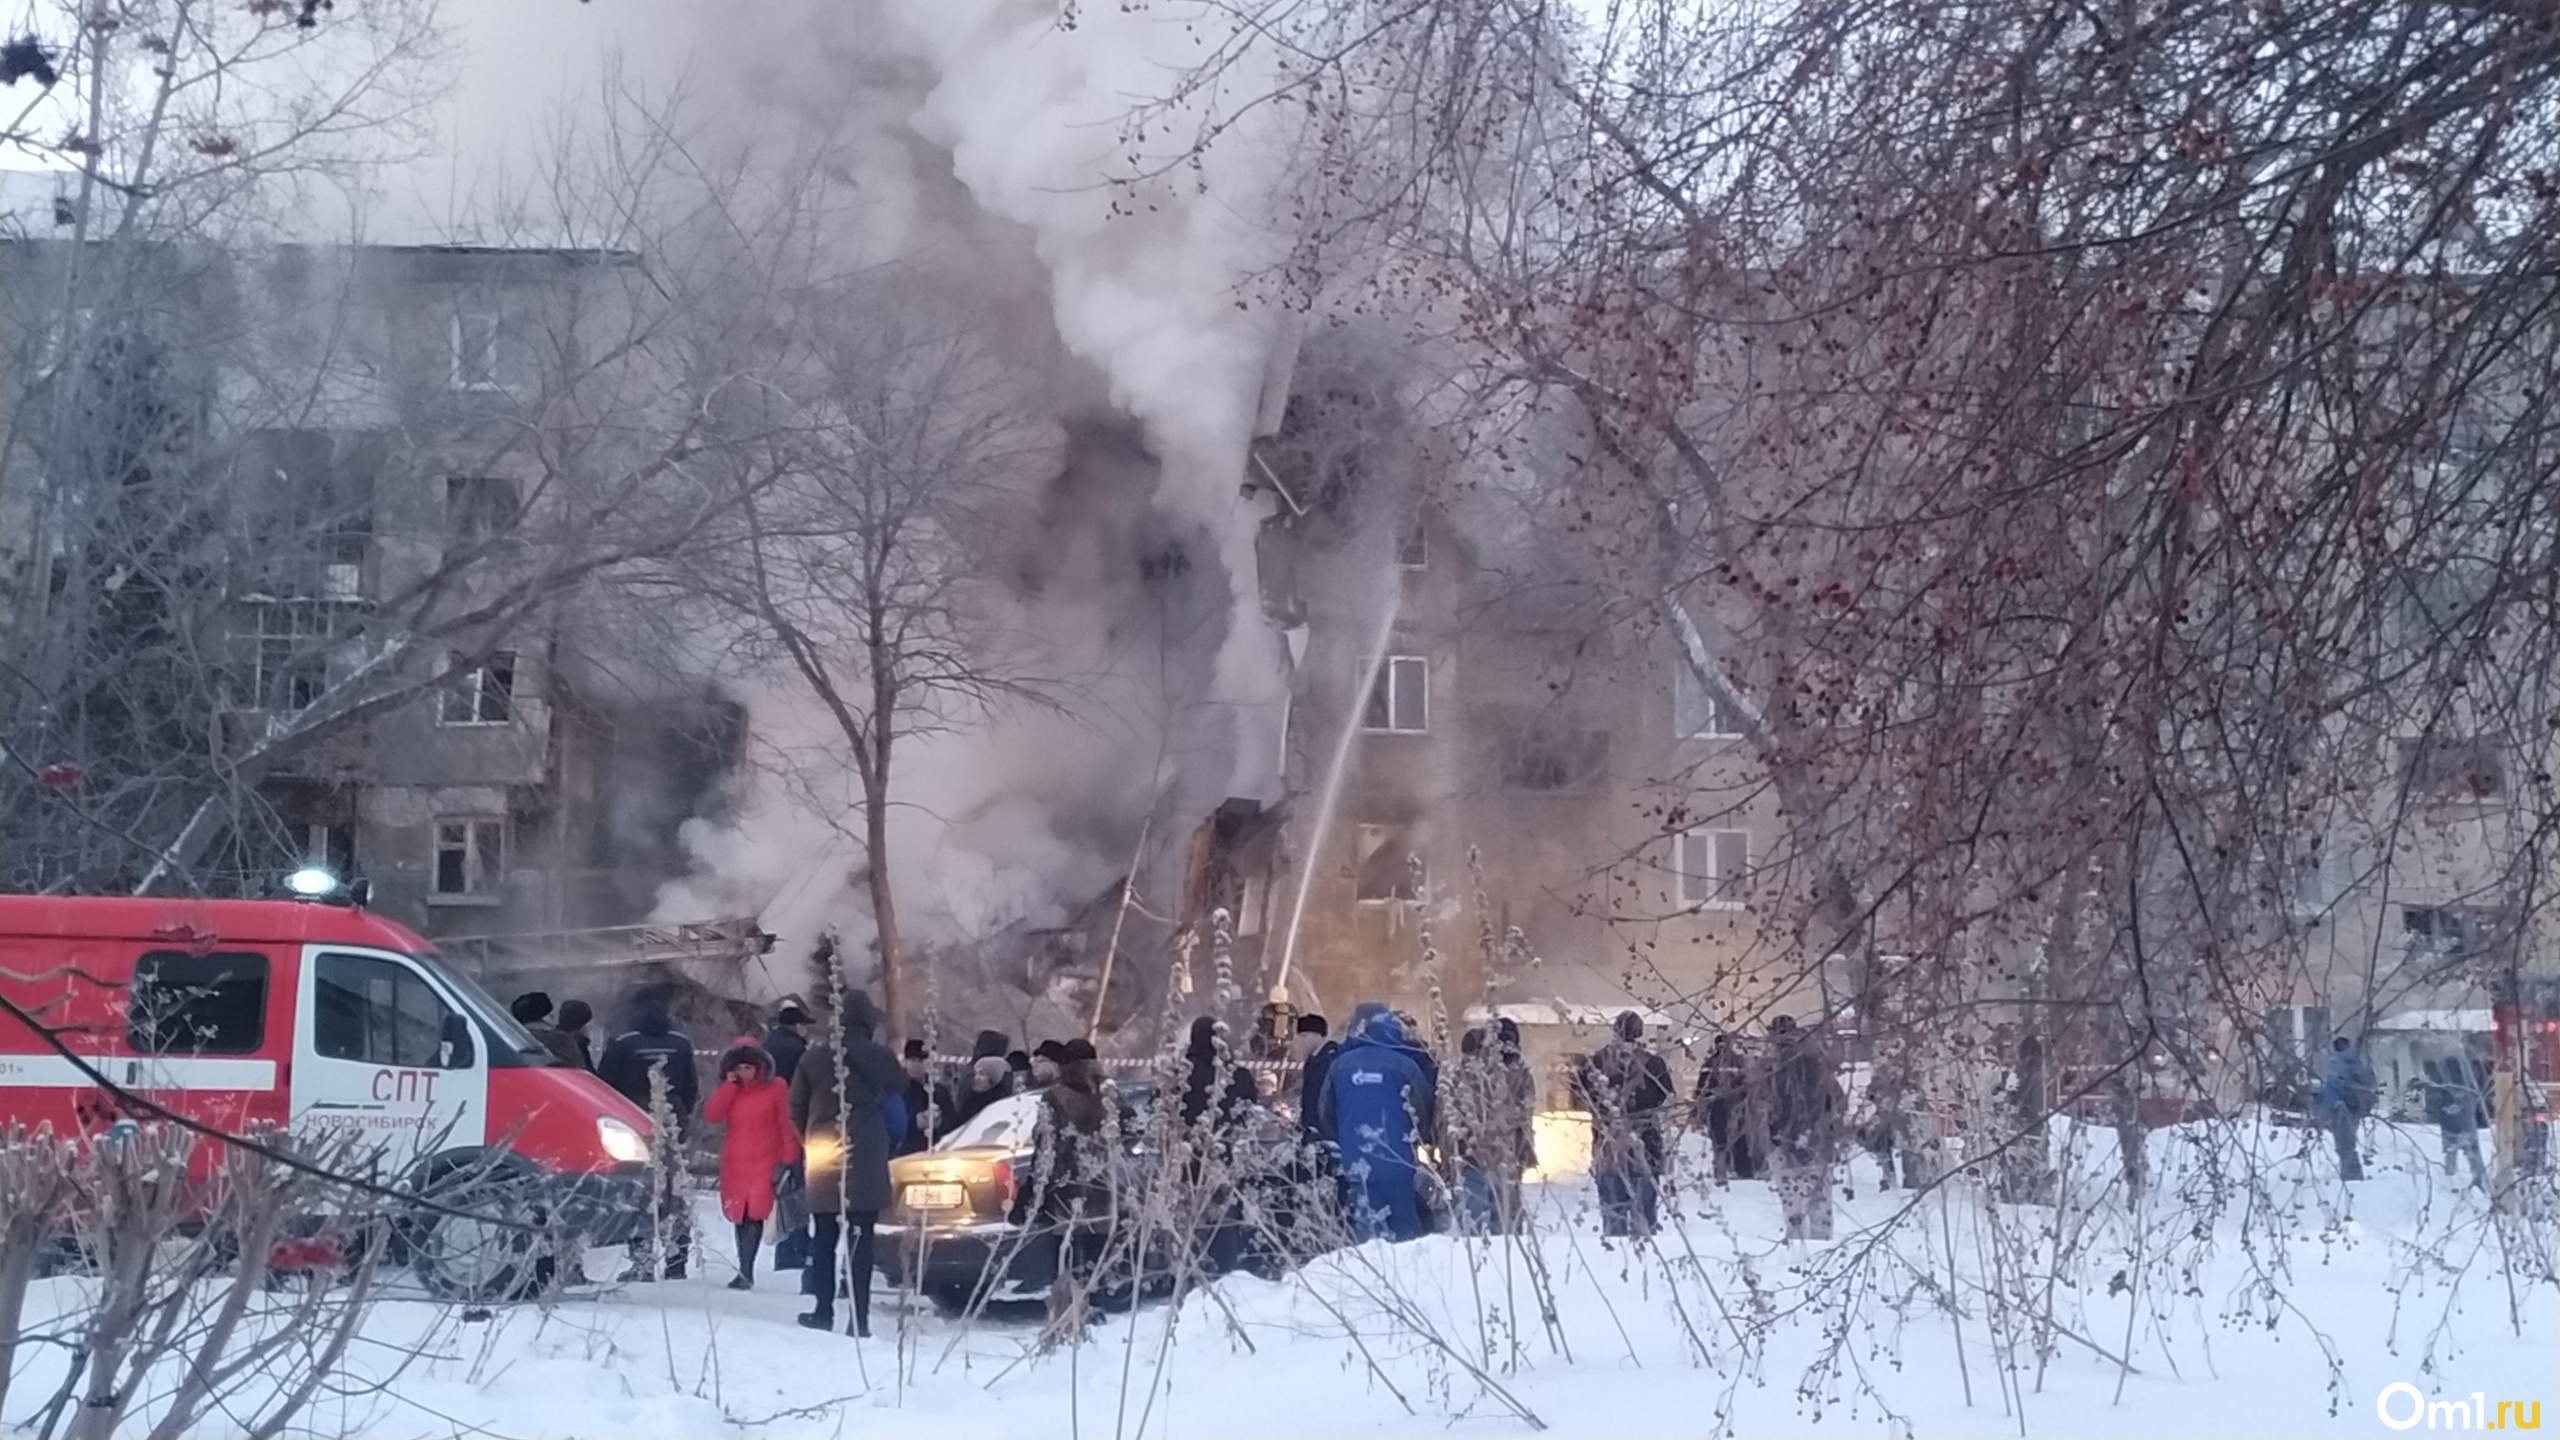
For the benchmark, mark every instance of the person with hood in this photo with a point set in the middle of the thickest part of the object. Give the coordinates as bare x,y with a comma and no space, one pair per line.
1719,1110
757,1146
575,1015
2456,1104
654,1047
1375,1106
845,1125
1799,1101
1627,1086
788,1040
2345,1097
1208,1098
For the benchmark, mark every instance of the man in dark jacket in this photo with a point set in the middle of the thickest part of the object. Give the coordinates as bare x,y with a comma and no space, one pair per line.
653,1046
1798,1103
1627,1086
931,1110
575,1015
1719,1111
788,1040
532,1010
2345,1097
844,1131
2456,1104
1067,1199
1375,1105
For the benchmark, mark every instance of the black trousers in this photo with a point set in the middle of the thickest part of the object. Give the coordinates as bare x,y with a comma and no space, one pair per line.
822,1263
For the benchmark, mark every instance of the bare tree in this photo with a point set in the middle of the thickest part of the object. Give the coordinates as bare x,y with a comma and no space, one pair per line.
858,562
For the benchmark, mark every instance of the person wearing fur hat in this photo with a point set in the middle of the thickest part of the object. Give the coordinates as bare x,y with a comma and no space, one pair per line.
759,1144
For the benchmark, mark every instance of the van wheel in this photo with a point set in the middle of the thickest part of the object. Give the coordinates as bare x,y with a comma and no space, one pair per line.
495,1249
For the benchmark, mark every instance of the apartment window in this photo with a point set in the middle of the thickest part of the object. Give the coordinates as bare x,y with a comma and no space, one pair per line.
1413,547
1539,756
1696,713
2445,930
483,694
471,857
1398,700
2453,769
484,352
281,655
479,509
1384,867
1712,866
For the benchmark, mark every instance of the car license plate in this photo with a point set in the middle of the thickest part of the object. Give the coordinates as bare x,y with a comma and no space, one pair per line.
936,1197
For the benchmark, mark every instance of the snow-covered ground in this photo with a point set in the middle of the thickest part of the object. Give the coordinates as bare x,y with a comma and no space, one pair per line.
2303,1306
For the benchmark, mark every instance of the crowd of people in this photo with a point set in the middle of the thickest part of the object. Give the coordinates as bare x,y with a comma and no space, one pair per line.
1390,1143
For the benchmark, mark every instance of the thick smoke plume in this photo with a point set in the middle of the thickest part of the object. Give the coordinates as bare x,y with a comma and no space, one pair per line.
995,148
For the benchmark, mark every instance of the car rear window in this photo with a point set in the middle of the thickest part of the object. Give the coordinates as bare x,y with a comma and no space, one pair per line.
1006,1122
182,1004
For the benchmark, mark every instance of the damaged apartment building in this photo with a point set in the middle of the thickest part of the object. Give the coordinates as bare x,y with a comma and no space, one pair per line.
384,452
1538,809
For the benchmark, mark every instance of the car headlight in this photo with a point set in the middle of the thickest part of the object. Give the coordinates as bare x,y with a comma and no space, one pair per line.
621,1143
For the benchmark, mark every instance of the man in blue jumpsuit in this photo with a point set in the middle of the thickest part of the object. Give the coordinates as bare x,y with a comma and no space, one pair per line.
1375,1102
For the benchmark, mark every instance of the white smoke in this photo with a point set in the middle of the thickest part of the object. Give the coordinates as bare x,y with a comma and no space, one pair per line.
1151,252
1147,262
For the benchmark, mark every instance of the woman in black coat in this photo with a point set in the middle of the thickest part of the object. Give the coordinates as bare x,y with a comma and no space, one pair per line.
845,1137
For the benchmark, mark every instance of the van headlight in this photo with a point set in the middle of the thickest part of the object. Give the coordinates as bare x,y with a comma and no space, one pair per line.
621,1143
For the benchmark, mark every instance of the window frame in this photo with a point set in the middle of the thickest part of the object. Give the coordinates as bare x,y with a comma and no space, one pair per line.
1413,545
1690,694
455,1025
1720,890
492,379
473,690
474,828
1383,683
136,1015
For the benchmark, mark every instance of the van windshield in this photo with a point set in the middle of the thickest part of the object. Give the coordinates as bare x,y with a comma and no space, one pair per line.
503,1031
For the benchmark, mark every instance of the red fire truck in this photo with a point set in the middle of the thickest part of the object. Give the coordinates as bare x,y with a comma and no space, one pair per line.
312,1017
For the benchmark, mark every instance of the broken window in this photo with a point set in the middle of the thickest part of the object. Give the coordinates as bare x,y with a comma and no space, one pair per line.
482,694
1413,547
2452,769
2445,930
485,352
1712,866
1384,867
479,509
1696,712
471,856
1398,698
1541,756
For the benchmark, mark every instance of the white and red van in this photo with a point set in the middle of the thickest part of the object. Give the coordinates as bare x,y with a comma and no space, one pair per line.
312,1017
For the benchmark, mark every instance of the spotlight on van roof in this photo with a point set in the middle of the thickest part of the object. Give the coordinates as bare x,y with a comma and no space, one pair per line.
311,882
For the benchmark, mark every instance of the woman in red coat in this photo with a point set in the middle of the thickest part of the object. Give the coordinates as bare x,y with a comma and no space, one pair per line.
759,1141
